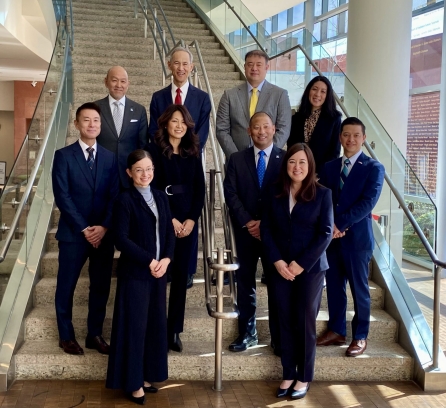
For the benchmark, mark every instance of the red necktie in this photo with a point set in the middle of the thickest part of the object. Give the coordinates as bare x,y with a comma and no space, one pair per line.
178,97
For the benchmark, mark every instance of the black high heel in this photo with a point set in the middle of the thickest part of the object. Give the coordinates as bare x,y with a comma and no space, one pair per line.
136,400
299,394
150,389
283,392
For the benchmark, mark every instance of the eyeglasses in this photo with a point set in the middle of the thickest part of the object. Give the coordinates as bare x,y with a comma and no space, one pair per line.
141,171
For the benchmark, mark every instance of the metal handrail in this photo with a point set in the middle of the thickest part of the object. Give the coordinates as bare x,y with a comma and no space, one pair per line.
167,23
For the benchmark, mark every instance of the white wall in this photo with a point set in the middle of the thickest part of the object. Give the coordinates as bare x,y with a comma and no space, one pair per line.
7,93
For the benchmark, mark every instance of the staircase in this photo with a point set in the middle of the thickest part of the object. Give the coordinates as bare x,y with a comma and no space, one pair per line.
41,358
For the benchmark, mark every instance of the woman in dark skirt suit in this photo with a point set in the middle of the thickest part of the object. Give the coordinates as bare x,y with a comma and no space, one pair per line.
179,173
143,232
317,122
296,230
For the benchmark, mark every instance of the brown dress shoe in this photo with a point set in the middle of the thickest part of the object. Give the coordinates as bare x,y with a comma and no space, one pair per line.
97,343
71,347
330,338
356,348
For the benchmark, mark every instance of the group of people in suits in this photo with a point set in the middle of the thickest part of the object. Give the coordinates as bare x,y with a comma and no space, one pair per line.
305,212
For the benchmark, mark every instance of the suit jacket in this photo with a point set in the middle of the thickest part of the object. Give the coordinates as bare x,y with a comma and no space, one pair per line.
243,194
133,133
83,200
137,244
353,204
233,116
324,142
197,103
302,236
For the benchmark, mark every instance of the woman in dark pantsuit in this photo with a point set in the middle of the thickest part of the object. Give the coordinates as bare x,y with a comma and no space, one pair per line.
317,122
144,234
296,230
179,172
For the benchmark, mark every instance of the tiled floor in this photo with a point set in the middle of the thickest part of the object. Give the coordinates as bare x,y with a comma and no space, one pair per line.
246,394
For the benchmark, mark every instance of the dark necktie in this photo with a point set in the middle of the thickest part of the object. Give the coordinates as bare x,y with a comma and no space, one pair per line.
178,100
261,167
90,160
344,173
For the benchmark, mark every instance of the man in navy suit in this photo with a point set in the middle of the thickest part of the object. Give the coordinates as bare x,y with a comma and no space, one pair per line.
356,182
85,185
123,121
181,92
247,185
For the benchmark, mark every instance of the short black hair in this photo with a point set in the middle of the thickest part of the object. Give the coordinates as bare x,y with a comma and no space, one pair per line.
258,114
88,105
353,121
257,53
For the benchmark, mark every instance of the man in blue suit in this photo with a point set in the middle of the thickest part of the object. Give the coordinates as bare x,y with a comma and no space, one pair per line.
247,185
123,121
85,185
356,182
181,92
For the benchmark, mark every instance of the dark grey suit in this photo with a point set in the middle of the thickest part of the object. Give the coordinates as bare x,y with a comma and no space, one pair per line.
133,133
233,116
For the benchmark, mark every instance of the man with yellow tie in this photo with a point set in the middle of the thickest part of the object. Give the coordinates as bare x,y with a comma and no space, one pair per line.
238,104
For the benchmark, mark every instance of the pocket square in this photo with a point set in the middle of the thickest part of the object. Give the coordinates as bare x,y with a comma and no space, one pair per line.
133,120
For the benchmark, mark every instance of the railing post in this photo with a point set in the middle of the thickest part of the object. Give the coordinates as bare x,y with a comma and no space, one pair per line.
436,322
136,9
219,324
154,38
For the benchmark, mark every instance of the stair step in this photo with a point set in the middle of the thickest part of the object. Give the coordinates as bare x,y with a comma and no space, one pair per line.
381,362
41,324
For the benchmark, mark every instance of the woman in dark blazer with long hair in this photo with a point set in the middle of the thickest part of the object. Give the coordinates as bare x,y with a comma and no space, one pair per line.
143,232
179,172
296,230
317,122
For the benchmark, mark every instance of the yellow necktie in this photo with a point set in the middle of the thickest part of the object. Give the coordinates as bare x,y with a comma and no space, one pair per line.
253,102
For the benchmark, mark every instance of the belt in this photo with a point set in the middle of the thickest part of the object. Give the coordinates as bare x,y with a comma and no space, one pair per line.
175,189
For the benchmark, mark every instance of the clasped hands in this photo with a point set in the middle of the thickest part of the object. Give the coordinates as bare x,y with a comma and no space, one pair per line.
254,228
94,235
182,229
288,272
159,268
337,233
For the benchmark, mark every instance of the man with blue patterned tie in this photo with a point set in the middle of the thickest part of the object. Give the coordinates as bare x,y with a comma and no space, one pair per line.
356,182
247,185
85,185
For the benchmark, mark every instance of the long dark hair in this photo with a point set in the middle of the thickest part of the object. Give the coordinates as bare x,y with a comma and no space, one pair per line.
329,105
189,145
308,190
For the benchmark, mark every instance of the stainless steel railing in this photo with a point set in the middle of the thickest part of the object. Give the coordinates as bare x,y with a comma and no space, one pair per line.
216,260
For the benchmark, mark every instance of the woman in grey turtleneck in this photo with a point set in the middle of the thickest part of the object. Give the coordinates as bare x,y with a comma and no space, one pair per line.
143,231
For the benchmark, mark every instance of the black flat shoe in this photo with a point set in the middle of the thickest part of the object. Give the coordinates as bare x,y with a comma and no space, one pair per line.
151,389
136,400
283,392
242,343
175,343
299,394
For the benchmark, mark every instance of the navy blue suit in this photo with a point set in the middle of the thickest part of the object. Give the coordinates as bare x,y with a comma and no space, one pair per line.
302,236
85,198
245,199
350,255
133,133
197,103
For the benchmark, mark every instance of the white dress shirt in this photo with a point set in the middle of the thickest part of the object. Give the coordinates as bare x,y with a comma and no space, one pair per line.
84,148
267,151
352,161
184,90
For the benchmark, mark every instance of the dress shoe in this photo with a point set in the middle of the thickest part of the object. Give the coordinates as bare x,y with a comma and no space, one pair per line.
71,347
241,343
295,394
330,338
356,348
190,281
97,343
283,392
150,389
175,343
137,400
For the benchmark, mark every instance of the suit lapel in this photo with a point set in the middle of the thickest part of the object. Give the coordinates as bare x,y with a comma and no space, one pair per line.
354,174
251,164
263,97
273,163
99,167
168,96
80,158
242,93
107,115
129,107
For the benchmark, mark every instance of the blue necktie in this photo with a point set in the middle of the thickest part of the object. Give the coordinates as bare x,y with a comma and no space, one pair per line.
90,160
261,167
344,173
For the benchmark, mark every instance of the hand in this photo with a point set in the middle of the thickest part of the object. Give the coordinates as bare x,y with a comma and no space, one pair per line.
187,228
161,268
254,228
177,226
95,234
295,268
153,265
337,233
284,270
